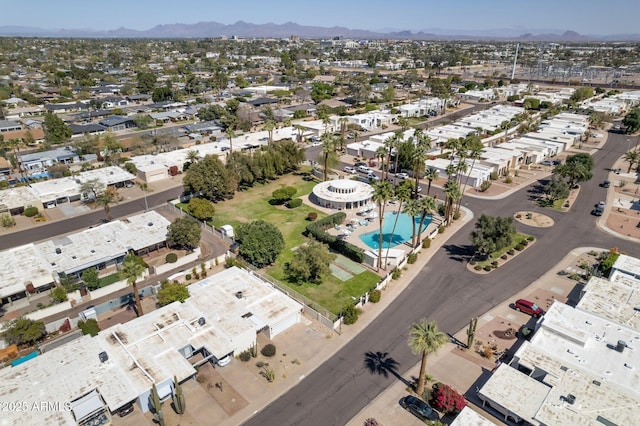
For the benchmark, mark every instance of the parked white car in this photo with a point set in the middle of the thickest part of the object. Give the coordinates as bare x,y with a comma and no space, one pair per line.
351,170
402,175
364,169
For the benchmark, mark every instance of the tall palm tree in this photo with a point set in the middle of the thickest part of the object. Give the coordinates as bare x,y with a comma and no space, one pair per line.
269,126
106,198
425,339
412,209
380,154
300,130
15,145
452,192
430,175
326,121
402,195
382,192
420,155
474,149
427,206
390,144
344,122
631,157
132,269
230,134
328,152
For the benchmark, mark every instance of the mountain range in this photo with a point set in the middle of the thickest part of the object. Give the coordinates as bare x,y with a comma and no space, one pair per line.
270,30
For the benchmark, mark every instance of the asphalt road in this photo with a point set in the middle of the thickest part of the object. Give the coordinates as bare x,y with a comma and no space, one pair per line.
76,223
445,292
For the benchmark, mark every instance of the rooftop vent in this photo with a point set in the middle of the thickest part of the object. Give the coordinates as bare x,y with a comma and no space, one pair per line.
239,294
571,399
620,346
58,250
103,357
597,383
201,321
150,224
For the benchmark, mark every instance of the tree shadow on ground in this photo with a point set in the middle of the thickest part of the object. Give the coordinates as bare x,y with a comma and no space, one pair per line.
459,253
382,364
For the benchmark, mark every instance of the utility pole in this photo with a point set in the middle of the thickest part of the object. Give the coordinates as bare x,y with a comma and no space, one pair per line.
515,60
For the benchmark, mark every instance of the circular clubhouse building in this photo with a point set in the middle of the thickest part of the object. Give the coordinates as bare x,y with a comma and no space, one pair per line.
343,194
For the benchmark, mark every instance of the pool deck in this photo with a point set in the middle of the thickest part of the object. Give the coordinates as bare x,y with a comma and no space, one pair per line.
353,214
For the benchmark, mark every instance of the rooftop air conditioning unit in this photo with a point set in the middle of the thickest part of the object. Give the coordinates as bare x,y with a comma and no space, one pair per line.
571,399
58,250
201,321
103,357
239,294
621,345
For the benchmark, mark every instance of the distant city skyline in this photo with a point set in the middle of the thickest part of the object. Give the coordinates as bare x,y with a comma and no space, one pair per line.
464,16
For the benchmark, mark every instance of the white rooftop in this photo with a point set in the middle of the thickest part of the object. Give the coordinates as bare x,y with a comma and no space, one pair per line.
617,300
18,196
469,417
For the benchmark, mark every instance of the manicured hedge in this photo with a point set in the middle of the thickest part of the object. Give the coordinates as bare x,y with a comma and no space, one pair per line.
296,202
318,228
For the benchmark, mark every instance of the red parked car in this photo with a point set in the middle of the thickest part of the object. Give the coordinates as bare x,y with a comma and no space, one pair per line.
528,307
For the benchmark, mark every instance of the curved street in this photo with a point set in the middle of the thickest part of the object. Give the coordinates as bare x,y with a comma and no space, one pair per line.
446,292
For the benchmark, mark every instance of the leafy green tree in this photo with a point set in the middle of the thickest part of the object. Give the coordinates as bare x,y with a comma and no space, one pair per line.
201,209
261,242
24,331
425,339
631,121
184,232
210,178
359,88
556,189
171,291
146,82
132,269
59,294
162,94
310,262
492,234
321,91
581,94
89,326
55,130
577,168
90,278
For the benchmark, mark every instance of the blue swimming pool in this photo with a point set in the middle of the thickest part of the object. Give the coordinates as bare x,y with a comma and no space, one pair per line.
402,234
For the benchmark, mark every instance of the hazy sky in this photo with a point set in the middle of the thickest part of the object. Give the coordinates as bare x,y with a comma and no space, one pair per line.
583,16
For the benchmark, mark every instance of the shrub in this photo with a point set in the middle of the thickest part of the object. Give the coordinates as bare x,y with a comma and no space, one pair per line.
456,215
503,257
472,262
317,230
89,326
494,263
312,216
245,356
441,229
187,277
268,374
371,422
7,221
426,243
510,252
493,176
508,179
477,267
268,350
374,296
531,238
171,258
351,314
524,242
484,186
447,399
30,211
260,364
296,202
395,274
487,268
519,247
411,259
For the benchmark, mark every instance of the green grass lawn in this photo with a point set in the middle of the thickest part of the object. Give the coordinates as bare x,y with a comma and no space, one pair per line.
253,204
110,279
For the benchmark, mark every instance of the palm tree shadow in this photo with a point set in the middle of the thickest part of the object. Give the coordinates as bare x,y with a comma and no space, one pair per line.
381,363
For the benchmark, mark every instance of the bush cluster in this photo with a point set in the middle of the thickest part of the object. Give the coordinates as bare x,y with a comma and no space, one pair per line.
30,211
312,216
374,296
411,259
245,356
317,230
171,258
426,243
296,202
351,314
268,350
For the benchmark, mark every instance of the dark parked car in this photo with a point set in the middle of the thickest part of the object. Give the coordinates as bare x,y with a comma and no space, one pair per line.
597,211
125,409
528,307
605,184
419,408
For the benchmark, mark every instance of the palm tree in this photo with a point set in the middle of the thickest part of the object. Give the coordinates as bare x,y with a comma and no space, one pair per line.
412,209
420,155
193,156
344,122
430,175
403,194
269,126
328,151
15,145
382,192
106,198
425,338
427,206
390,144
132,269
380,154
326,121
230,134
474,149
452,192
631,157
300,130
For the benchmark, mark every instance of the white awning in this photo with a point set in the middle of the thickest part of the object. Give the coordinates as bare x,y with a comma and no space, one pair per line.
87,405
164,390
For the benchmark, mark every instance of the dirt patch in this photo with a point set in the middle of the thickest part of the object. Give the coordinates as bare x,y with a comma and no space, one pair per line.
222,391
533,219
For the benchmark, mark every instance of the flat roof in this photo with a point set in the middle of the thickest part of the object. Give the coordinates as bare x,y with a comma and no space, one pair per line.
616,300
343,191
628,264
469,417
18,196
